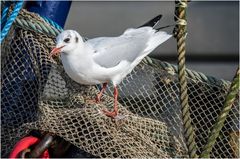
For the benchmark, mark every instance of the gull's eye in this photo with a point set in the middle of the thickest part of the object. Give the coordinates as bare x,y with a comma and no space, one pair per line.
67,40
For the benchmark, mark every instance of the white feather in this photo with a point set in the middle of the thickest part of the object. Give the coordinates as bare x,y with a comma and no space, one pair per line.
107,59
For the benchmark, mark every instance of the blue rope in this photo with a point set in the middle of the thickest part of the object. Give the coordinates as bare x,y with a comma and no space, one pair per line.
54,24
11,19
4,16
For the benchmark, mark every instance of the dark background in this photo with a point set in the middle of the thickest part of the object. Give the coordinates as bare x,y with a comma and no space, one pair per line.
213,29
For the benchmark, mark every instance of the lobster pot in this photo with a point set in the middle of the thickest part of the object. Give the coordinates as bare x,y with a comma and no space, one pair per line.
38,95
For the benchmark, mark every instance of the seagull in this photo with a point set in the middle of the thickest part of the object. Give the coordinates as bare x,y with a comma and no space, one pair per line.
107,59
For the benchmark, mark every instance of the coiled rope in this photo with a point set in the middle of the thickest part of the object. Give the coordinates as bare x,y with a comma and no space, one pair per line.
54,24
230,98
197,76
10,20
180,34
37,26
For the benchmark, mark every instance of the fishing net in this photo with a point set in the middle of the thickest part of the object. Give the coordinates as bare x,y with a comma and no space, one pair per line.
38,95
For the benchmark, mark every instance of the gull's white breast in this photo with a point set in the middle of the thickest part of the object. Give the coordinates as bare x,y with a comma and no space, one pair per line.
79,69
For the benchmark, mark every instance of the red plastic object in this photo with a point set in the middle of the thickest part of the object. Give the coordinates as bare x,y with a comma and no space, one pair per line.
25,143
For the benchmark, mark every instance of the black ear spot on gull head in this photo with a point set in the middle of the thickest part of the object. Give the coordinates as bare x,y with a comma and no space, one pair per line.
76,39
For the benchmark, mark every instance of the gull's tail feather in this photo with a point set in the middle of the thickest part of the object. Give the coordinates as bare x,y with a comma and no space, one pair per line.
153,22
159,38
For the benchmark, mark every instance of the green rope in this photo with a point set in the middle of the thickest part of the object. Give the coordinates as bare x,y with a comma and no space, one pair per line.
37,27
233,91
180,29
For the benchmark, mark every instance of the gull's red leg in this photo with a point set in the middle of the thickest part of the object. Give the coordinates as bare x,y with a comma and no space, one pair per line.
98,98
115,110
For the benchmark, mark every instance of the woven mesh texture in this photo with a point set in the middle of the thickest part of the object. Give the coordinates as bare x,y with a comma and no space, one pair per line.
38,95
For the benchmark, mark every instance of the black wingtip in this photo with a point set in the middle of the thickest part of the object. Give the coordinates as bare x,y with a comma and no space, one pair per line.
167,26
152,22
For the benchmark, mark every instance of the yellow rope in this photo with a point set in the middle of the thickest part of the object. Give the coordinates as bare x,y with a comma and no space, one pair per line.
180,34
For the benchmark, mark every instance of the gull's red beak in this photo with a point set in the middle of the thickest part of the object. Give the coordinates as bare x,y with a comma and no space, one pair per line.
55,51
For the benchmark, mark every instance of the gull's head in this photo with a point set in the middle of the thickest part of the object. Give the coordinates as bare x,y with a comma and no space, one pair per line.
66,42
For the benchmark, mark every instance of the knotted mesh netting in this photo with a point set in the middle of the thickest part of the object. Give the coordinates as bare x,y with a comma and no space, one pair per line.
38,95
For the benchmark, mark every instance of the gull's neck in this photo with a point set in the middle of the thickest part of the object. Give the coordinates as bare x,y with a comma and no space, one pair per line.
81,54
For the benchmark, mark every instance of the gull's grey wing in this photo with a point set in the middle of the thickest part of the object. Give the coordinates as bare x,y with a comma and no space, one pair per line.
110,51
